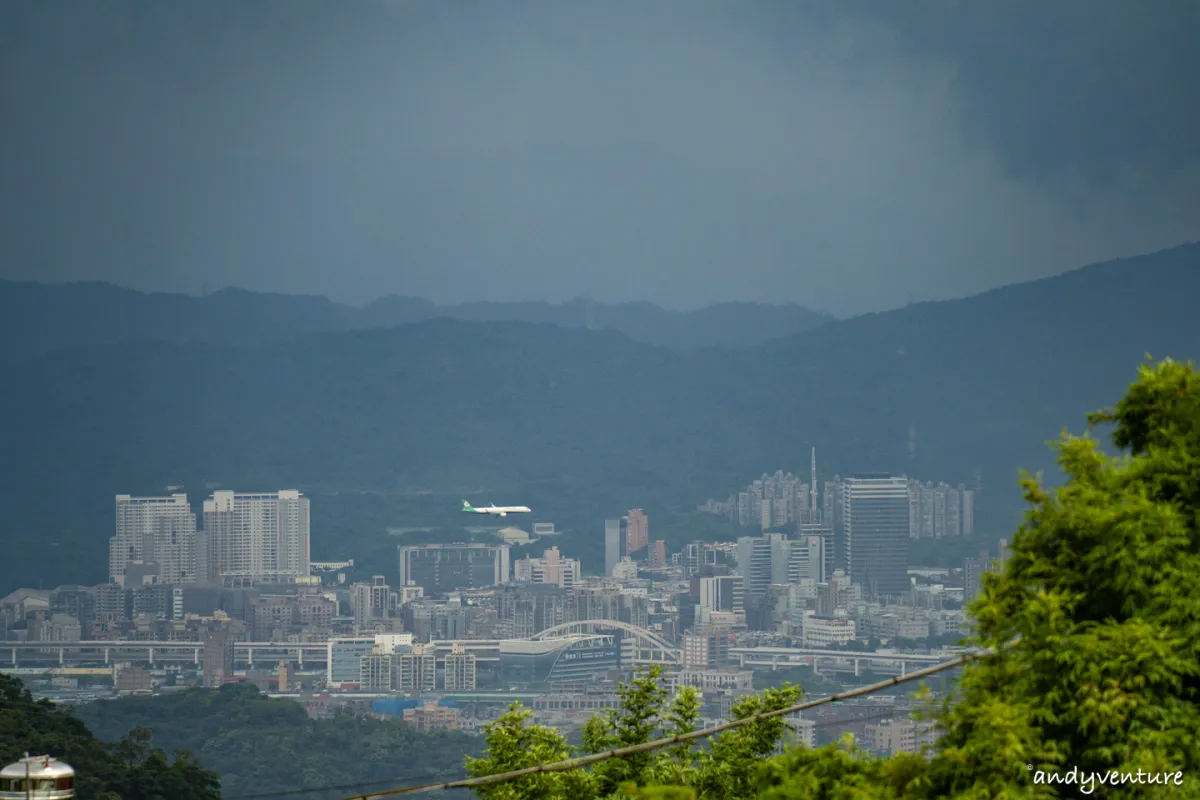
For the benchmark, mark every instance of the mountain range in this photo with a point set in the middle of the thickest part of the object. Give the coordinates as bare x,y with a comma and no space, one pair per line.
36,319
579,424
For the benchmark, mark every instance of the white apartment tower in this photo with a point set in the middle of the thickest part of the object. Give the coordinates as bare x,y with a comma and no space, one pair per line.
416,669
460,669
257,538
158,531
551,569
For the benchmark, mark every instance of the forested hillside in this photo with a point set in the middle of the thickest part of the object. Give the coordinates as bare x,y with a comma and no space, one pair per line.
258,744
131,768
395,427
36,319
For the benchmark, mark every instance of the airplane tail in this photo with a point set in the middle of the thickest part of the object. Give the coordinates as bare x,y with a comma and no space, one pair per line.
467,506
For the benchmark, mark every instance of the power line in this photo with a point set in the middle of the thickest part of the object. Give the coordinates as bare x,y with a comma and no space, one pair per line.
836,723
583,761
342,787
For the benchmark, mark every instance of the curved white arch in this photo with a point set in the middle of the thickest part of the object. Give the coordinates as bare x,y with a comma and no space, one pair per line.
648,637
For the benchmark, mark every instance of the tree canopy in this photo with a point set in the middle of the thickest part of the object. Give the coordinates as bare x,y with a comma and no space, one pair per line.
1095,622
260,744
129,769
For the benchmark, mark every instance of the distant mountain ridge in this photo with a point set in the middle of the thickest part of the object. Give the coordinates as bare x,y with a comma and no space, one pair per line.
36,319
578,424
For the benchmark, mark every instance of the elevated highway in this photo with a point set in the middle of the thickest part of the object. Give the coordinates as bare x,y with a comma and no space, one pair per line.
825,661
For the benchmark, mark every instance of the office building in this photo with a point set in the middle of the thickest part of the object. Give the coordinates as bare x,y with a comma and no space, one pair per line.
697,556
754,564
257,538
875,518
443,568
720,593
614,544
344,656
821,633
158,534
808,558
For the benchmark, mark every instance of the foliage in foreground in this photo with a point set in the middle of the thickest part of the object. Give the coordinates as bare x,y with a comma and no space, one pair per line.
1096,624
129,769
643,714
259,744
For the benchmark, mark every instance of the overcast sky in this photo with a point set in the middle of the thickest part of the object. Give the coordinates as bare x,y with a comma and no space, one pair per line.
849,155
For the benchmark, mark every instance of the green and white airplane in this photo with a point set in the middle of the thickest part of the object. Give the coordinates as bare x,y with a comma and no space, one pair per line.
499,511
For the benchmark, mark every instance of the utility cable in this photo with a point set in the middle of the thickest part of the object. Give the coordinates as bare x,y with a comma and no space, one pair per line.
583,761
835,723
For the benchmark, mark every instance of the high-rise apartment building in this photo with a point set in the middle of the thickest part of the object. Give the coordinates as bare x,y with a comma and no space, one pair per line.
257,538
416,669
158,534
460,670
376,671
875,517
637,531
940,510
551,569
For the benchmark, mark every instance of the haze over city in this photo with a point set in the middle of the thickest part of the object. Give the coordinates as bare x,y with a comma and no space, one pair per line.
847,157
419,394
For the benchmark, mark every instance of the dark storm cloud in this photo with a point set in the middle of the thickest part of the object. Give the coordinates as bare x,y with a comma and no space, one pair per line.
847,155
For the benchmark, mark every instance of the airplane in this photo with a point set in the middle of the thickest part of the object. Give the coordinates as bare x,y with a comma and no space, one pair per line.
499,511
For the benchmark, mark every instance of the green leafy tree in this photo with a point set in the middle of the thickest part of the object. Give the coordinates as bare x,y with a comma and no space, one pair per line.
1096,623
513,744
729,768
724,769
